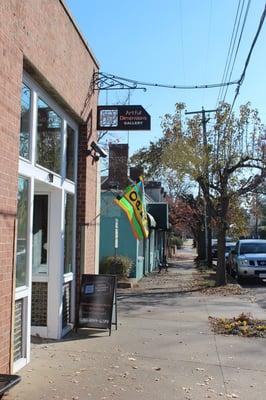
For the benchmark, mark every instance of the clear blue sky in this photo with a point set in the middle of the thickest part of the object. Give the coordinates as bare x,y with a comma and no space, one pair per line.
181,42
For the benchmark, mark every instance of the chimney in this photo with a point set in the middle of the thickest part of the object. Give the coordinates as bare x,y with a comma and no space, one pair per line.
118,167
135,173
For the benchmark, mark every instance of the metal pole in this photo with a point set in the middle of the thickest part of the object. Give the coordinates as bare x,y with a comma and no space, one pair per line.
207,216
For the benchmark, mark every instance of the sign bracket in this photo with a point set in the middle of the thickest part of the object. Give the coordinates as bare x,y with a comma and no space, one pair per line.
102,81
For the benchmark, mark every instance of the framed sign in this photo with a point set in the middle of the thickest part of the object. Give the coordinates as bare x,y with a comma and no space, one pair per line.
123,118
97,301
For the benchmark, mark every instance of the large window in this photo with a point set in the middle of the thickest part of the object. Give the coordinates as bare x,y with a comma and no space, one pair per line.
48,152
24,148
69,212
70,153
22,229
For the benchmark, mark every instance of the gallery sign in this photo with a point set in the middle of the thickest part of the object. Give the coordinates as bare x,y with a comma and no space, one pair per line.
97,300
123,118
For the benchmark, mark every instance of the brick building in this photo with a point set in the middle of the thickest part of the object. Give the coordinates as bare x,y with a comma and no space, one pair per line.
48,185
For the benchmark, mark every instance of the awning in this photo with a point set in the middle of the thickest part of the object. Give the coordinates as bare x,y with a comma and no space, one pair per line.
159,211
151,220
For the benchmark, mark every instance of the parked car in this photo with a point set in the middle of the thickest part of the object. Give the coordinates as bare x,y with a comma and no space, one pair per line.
228,246
214,248
248,259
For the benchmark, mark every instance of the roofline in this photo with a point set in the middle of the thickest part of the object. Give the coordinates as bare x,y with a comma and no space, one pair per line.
79,32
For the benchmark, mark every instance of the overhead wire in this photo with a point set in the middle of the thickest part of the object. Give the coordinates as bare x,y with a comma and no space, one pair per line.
242,77
238,45
163,85
230,50
234,41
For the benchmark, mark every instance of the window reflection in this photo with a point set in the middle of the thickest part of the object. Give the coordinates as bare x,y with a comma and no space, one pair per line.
24,148
70,153
22,227
48,138
69,212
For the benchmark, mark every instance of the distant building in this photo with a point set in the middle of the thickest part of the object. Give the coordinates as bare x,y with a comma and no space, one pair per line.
145,254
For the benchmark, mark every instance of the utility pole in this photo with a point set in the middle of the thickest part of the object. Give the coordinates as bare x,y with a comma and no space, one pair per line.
207,210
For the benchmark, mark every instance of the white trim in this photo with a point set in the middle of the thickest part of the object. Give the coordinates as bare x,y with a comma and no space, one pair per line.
29,234
33,127
56,191
55,284
21,292
17,365
40,278
68,277
63,149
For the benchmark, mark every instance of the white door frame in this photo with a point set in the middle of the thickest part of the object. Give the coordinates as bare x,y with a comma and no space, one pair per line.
57,188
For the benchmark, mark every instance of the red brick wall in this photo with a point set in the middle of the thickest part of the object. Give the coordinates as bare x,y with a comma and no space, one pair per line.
38,35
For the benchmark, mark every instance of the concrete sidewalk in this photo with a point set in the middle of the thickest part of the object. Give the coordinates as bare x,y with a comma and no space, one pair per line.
163,349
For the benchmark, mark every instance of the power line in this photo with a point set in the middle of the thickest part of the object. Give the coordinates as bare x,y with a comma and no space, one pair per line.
230,49
238,45
242,77
234,42
105,81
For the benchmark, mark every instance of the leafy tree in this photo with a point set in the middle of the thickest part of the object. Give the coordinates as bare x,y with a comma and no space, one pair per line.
186,216
228,165
258,214
262,223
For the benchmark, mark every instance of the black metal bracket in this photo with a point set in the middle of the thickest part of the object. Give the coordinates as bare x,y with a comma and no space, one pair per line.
103,81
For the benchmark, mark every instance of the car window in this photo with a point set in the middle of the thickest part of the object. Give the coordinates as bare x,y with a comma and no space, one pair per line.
230,247
252,248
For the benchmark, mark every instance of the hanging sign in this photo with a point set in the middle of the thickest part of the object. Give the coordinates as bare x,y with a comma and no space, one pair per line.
97,299
123,118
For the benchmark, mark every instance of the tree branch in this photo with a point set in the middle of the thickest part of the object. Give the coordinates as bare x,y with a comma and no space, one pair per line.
256,181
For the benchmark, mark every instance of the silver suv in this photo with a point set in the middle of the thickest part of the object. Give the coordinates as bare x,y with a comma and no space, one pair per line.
248,259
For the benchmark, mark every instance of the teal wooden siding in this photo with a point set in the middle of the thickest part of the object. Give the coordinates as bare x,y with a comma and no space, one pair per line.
127,244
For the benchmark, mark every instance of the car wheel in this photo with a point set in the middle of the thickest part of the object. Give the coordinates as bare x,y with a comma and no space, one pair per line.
238,277
228,269
232,271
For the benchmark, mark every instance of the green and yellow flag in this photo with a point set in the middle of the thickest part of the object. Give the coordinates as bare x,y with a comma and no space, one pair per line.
134,205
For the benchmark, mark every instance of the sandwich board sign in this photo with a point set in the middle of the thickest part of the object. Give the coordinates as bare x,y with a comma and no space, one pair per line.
123,118
97,308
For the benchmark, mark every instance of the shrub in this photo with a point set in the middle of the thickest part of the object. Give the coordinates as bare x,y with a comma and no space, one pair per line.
176,241
116,265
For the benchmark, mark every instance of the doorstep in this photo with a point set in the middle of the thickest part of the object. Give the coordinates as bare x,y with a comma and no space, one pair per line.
129,283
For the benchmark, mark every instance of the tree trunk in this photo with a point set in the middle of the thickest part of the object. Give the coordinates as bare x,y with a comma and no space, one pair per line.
200,240
221,234
209,255
220,271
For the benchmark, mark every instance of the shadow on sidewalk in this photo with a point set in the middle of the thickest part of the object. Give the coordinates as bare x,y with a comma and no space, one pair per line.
80,334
